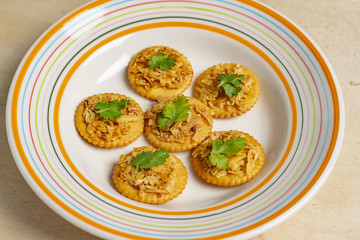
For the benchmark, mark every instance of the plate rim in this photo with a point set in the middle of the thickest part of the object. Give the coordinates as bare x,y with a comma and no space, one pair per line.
335,145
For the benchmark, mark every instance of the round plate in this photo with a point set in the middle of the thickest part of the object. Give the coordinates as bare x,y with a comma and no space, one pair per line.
298,119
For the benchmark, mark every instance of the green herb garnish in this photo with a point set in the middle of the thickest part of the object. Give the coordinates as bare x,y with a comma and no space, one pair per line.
231,83
147,160
111,110
222,149
177,110
162,61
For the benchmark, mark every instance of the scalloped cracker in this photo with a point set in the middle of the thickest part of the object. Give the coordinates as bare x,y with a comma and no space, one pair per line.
154,185
152,83
183,135
207,91
243,166
109,133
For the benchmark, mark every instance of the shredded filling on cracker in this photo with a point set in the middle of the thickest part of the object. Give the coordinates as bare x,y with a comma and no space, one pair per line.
240,164
180,131
109,130
155,78
215,97
150,180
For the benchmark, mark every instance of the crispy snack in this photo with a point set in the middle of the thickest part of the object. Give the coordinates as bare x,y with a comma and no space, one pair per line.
152,185
183,135
109,133
243,166
207,90
152,83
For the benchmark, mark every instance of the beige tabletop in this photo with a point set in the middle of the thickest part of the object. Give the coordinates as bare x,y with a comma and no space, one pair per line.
334,212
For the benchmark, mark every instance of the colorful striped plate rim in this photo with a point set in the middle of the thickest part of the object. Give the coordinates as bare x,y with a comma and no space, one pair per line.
301,131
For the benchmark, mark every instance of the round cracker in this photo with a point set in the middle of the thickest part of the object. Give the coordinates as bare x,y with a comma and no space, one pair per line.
189,136
173,168
228,177
152,83
207,91
133,119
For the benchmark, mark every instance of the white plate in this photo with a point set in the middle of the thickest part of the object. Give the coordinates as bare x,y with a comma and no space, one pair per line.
299,117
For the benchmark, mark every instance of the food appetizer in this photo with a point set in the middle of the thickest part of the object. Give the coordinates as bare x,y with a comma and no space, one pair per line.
228,158
150,175
228,89
109,120
160,71
178,125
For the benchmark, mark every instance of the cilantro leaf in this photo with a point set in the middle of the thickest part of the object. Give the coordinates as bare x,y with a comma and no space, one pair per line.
222,149
177,110
219,160
111,110
140,159
231,83
229,147
162,61
147,160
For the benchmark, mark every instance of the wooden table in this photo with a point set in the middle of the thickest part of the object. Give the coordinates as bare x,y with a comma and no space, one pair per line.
334,213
